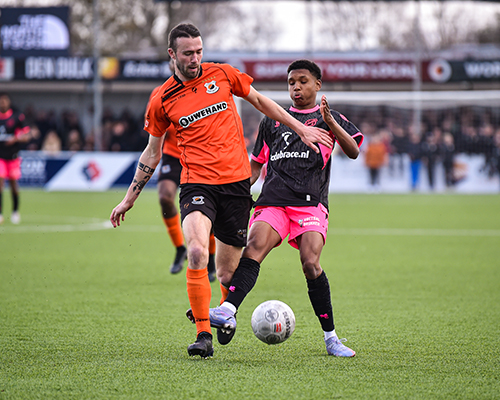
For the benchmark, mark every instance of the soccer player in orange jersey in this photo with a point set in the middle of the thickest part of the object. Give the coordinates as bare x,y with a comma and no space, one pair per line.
215,179
168,182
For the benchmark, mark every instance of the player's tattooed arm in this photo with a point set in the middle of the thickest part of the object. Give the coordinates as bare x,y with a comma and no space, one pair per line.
139,183
146,168
148,161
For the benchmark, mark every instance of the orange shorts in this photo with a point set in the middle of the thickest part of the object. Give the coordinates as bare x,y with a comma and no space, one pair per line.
10,169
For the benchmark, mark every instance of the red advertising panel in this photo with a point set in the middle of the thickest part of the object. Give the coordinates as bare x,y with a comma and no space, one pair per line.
338,70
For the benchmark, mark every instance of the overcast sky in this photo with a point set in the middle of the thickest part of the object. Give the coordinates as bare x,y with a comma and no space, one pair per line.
290,11
290,17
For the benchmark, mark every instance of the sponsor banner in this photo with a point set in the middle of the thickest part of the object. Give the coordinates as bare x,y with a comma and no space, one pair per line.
442,71
337,70
37,168
55,68
437,70
144,70
111,68
28,32
6,69
82,171
82,69
90,171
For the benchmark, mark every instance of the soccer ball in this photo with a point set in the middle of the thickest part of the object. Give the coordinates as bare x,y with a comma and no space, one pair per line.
273,322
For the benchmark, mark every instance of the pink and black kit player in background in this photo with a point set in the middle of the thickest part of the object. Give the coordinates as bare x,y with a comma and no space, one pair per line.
13,132
294,200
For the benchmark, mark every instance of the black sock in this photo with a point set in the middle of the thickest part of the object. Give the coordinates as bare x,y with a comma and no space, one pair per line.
1,197
319,294
15,201
243,281
207,335
211,263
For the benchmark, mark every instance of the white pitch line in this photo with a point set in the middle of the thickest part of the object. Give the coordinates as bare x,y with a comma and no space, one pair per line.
412,232
77,224
79,227
360,231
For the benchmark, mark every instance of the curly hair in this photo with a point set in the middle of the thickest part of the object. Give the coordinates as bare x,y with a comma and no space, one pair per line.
311,66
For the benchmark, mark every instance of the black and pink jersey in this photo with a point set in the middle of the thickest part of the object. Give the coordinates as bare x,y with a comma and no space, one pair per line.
296,175
11,124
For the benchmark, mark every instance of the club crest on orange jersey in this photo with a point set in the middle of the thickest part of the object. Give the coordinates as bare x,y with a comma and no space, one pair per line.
211,87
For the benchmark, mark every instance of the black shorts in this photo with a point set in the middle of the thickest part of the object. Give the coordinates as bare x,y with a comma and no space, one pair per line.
228,207
170,169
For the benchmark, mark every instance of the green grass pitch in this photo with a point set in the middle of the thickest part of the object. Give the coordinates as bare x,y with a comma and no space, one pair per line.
88,312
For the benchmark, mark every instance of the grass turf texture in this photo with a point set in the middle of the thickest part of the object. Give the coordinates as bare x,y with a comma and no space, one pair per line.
88,312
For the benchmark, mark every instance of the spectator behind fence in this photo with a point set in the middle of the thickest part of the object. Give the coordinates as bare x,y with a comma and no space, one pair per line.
52,143
496,150
119,139
72,136
430,152
415,153
36,139
487,145
447,151
74,141
398,147
376,156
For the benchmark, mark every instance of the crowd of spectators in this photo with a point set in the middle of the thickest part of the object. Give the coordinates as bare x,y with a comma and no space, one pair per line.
443,134
64,131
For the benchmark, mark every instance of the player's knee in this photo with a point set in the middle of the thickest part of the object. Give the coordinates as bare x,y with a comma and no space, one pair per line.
168,207
167,200
224,276
257,249
197,256
311,269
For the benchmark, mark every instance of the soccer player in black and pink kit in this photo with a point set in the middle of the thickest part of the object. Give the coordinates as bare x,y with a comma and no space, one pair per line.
13,133
294,200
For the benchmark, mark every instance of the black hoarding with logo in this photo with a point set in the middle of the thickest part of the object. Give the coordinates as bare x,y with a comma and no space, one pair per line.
28,32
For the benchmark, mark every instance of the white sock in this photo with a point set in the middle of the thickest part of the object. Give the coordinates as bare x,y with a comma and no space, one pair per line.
328,335
229,306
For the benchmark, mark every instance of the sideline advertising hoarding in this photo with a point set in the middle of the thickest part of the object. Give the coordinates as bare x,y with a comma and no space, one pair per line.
34,32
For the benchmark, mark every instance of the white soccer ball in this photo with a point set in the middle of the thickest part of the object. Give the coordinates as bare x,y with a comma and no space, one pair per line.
273,322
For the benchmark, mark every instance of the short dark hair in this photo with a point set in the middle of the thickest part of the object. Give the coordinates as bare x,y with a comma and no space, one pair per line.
182,30
311,66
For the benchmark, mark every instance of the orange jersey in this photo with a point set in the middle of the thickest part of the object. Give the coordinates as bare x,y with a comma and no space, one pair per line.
208,127
376,154
170,142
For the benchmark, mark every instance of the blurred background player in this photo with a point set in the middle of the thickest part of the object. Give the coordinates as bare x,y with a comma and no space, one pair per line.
376,156
13,133
293,201
168,183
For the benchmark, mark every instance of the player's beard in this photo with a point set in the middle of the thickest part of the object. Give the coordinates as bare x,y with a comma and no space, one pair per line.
188,72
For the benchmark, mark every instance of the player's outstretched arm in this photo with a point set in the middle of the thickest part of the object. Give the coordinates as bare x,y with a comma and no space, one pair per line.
148,161
348,144
309,134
